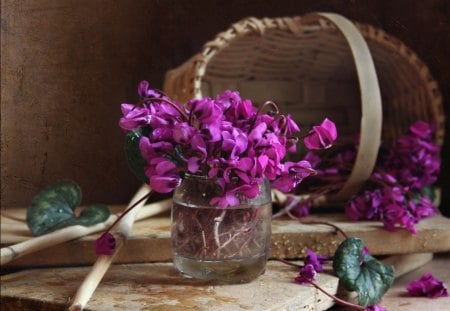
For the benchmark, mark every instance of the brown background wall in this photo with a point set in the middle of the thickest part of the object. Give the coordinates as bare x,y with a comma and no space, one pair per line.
67,65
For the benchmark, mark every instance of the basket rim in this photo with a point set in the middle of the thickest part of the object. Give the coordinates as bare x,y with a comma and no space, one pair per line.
297,25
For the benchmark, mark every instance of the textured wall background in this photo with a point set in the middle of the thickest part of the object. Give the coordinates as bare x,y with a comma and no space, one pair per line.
67,65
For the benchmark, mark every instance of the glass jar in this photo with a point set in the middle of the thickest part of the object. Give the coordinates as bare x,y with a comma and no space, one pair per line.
224,245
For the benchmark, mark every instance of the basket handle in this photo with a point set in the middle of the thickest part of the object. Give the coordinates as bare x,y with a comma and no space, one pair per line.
371,120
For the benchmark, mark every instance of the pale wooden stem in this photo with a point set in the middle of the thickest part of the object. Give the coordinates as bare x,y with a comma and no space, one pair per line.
73,232
123,230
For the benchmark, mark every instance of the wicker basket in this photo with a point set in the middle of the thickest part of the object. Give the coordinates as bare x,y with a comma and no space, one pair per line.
315,66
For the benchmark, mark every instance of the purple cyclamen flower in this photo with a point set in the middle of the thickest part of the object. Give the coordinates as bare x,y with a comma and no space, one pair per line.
256,135
105,244
306,275
144,91
424,207
292,174
315,260
183,132
226,138
163,175
228,199
234,142
205,110
134,117
291,126
228,99
427,286
298,207
321,136
396,214
375,308
241,110
421,129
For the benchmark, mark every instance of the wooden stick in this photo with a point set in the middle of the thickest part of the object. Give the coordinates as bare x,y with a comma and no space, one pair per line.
11,252
103,262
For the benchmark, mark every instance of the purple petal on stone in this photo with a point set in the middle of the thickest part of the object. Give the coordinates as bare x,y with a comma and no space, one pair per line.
311,258
375,308
307,273
427,286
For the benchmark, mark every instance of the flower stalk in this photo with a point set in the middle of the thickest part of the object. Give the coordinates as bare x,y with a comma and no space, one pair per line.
103,262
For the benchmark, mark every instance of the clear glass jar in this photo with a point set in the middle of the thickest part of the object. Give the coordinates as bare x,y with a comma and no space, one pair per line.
210,243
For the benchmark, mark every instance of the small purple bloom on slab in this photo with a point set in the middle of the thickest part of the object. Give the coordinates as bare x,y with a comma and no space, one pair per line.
314,260
105,244
307,274
427,286
375,308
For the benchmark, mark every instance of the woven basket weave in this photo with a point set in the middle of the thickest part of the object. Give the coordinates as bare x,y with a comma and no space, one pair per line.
315,66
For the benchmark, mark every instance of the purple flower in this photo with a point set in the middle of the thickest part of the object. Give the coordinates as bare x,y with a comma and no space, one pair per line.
234,142
306,275
421,129
375,308
163,175
321,136
228,99
291,126
240,110
314,260
105,244
424,207
205,110
427,286
292,174
225,138
257,133
365,205
298,208
144,91
183,132
134,117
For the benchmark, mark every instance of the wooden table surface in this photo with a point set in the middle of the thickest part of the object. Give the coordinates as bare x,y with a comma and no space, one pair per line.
290,239
158,287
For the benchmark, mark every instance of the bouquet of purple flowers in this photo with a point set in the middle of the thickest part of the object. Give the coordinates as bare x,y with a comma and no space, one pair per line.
399,192
227,139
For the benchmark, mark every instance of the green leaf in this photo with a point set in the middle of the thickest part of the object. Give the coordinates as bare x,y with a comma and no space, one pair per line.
429,192
361,272
53,208
89,216
135,161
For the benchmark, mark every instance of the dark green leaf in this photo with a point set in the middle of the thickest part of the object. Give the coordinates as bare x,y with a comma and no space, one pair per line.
429,192
135,161
53,209
89,216
361,272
